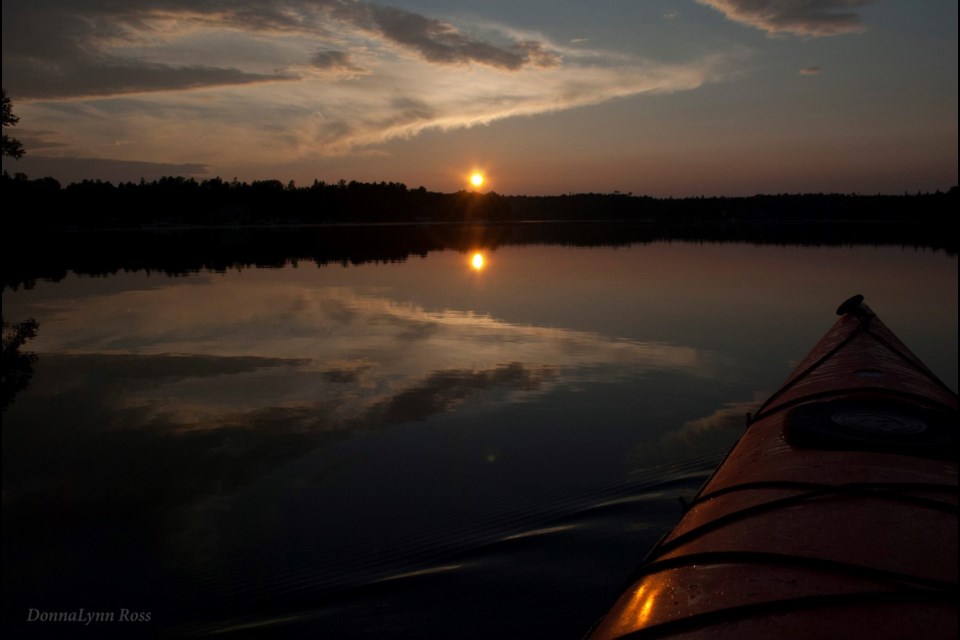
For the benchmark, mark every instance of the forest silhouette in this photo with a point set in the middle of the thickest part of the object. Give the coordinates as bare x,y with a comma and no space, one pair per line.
179,201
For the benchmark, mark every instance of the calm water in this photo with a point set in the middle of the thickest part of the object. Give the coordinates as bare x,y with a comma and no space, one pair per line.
403,450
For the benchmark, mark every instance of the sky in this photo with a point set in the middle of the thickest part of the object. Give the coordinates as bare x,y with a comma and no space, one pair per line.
654,97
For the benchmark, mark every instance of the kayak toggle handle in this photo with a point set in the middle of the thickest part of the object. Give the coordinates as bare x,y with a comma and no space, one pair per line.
854,305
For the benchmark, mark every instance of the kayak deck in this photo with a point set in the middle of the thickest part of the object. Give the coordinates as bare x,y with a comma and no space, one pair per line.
834,515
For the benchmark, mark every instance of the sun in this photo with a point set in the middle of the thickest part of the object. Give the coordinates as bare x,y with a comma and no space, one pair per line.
477,179
476,261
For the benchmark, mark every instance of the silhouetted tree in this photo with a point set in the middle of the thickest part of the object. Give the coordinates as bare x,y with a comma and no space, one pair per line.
11,146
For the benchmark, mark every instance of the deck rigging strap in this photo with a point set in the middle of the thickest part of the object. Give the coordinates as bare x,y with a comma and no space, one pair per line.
865,320
905,581
762,411
848,488
781,503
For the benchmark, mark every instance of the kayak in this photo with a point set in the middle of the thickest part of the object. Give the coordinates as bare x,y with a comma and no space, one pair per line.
834,515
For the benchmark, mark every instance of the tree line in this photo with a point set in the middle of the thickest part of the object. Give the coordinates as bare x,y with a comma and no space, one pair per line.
179,201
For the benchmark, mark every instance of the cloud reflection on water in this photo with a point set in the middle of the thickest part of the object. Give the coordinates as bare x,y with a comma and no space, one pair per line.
224,378
372,359
168,401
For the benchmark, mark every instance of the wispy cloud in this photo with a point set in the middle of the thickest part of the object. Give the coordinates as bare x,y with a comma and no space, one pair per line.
371,113
76,169
336,61
59,49
441,42
797,17
810,71
344,77
111,76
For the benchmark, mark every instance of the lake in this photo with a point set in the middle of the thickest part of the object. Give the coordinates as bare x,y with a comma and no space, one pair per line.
408,448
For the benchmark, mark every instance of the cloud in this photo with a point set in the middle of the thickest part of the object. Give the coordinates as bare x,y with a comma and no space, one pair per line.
61,49
814,18
111,76
329,60
71,169
810,71
39,140
58,50
441,42
122,80
371,114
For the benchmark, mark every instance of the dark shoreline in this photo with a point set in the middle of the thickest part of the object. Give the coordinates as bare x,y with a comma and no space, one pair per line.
179,250
177,201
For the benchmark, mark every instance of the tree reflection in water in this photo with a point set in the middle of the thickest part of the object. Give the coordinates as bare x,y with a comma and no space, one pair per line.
17,364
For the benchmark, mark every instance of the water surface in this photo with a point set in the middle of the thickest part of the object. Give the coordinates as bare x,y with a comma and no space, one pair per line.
407,449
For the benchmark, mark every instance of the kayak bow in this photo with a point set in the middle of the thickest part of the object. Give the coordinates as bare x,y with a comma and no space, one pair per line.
835,515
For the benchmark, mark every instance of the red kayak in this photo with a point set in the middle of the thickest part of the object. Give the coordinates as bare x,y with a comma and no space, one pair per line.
834,516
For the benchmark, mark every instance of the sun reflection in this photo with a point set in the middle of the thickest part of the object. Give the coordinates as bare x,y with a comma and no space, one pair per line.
477,261
644,614
633,613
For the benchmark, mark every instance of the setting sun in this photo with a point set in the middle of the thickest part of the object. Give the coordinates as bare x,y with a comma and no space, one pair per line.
476,179
477,261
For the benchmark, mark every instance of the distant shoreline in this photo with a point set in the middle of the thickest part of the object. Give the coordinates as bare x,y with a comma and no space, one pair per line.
692,224
185,203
